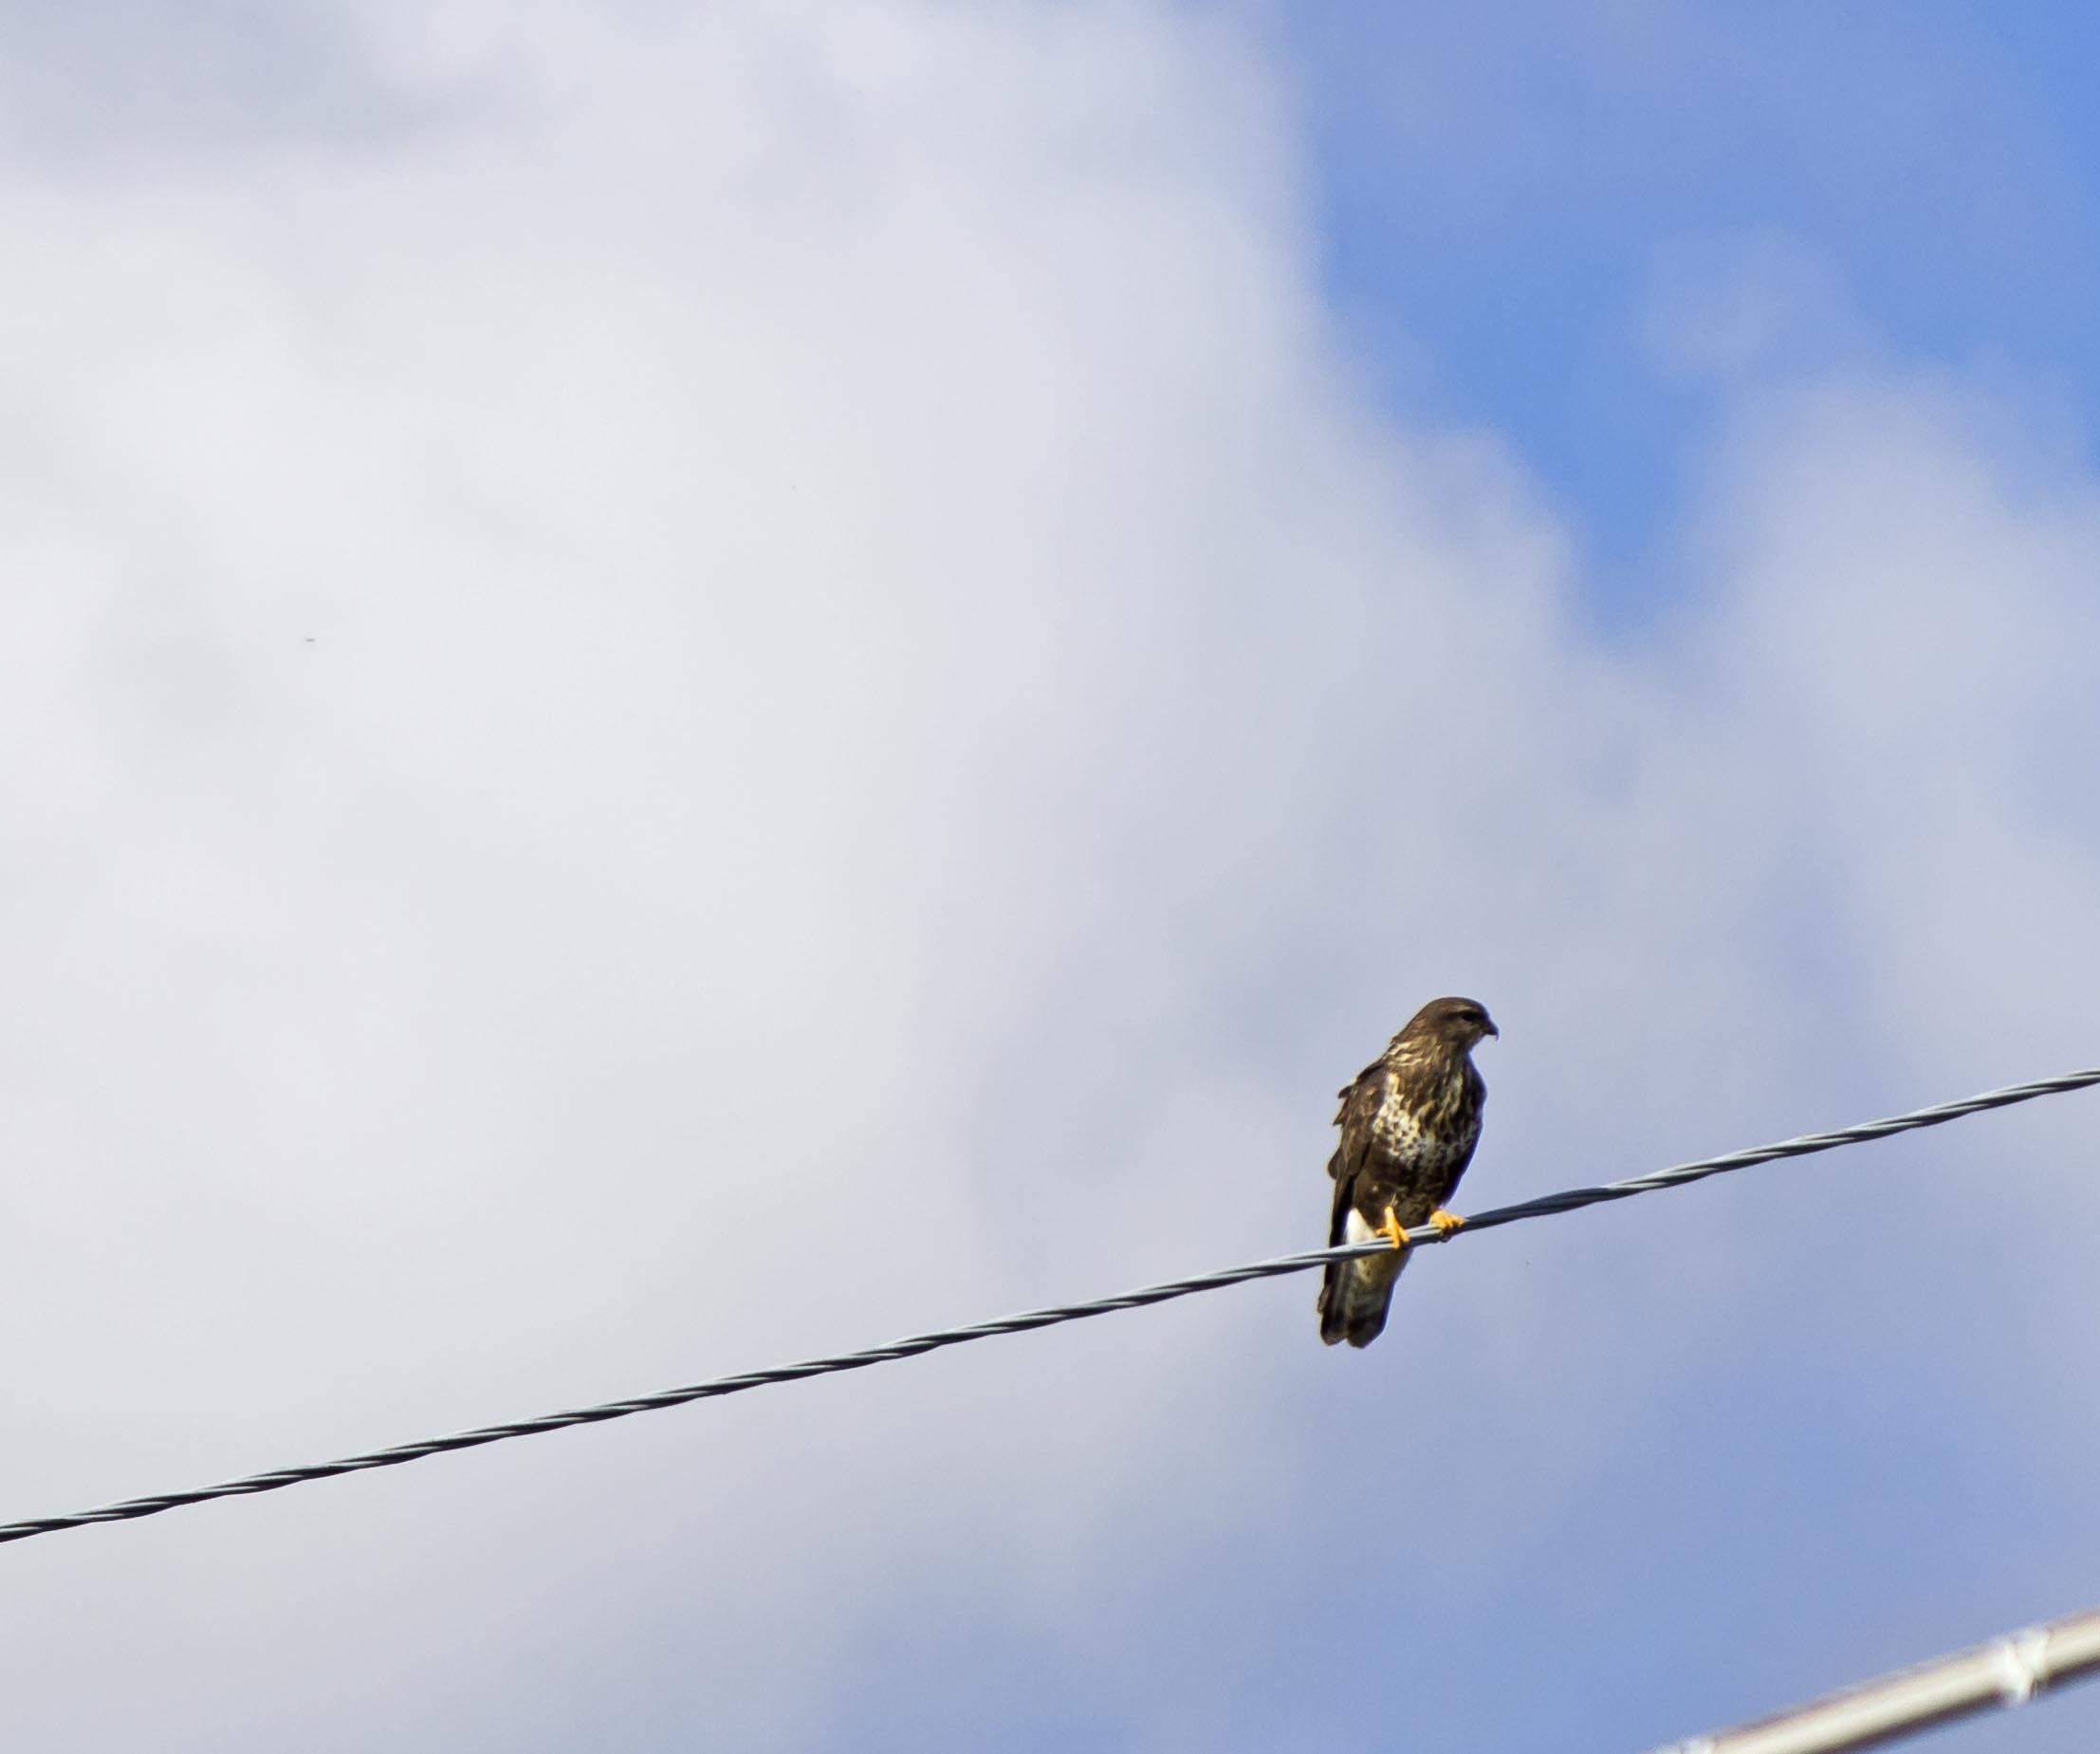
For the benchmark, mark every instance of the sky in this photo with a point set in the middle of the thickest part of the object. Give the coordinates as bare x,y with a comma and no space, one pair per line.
684,686
1592,228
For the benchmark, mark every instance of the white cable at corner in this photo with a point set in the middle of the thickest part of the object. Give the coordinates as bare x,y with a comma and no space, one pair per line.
1989,1677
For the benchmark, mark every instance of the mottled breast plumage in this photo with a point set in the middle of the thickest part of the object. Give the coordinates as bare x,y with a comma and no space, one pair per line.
1426,1128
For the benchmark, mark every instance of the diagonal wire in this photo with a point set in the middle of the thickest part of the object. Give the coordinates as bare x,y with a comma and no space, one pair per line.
1571,1200
2006,1672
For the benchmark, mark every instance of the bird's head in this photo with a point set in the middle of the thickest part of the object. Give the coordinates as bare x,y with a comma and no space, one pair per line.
1454,1025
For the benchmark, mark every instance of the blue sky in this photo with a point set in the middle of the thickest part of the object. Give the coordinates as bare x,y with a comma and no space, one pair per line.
683,687
1514,199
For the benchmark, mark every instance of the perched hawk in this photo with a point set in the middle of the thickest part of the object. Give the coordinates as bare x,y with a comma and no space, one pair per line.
1409,1125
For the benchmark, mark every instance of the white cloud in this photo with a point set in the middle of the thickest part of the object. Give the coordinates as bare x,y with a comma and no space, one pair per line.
728,686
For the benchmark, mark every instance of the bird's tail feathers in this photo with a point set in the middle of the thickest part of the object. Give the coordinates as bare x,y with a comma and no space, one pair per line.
1355,1297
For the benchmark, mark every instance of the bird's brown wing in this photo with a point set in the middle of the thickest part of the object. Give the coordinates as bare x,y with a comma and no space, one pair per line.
1353,1295
1360,1103
1360,1098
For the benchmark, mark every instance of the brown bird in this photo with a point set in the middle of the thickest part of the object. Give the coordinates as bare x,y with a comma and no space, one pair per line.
1409,1125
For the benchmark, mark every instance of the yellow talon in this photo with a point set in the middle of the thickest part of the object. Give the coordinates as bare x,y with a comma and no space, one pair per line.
1446,1222
1394,1230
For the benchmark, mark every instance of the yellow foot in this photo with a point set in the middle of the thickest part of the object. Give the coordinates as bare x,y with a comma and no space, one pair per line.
1394,1230
1446,1222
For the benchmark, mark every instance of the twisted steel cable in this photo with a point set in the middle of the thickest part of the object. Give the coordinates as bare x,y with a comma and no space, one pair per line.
1571,1200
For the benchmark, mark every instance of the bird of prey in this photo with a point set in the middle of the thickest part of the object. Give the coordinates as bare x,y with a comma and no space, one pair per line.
1409,1125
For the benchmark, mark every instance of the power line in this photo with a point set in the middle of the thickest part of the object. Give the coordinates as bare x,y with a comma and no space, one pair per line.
2005,1672
1569,1201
